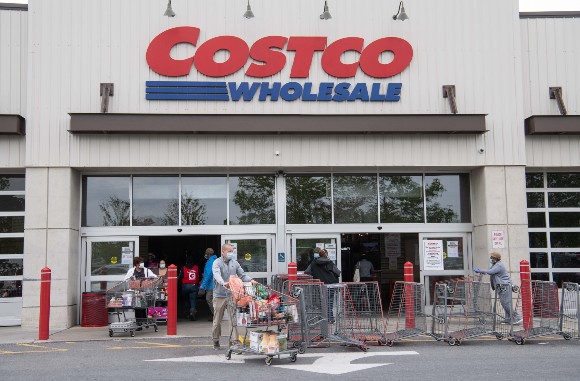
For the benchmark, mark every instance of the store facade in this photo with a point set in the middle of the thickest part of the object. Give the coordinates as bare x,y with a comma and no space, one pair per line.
419,140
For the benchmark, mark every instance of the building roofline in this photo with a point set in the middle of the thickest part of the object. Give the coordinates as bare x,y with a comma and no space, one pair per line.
13,7
555,14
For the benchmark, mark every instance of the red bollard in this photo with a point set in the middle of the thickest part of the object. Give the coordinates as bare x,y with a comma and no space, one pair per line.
44,319
408,276
526,292
292,271
172,300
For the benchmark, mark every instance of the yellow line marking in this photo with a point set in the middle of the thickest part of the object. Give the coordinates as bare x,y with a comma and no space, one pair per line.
44,349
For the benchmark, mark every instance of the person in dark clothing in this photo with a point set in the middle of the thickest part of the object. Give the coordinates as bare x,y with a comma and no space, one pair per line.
189,277
325,270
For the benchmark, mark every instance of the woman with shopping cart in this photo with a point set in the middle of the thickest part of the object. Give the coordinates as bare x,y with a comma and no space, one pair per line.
499,275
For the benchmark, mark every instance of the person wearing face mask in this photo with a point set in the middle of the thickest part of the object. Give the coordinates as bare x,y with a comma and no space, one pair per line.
222,268
324,269
162,272
139,270
499,275
207,283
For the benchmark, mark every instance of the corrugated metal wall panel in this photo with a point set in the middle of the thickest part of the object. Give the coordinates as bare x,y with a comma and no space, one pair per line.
93,42
13,61
551,56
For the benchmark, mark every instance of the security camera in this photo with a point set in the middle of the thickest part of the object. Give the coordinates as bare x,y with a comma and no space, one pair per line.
179,230
481,150
380,227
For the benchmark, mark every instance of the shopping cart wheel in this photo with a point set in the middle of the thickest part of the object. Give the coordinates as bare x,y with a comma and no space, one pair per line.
302,349
363,348
499,336
132,333
156,328
459,341
293,357
390,343
111,333
382,342
229,355
451,342
519,340
268,360
566,336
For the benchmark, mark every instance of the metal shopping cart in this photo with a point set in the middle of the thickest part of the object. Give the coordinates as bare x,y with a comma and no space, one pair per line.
265,314
129,302
543,316
368,310
406,317
569,325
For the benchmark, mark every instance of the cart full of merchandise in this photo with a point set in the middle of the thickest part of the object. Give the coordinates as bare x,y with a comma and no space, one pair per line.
264,314
131,303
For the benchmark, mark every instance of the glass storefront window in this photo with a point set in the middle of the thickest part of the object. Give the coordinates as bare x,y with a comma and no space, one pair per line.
308,200
106,257
563,180
106,201
355,199
155,200
565,239
534,180
535,199
537,240
538,260
536,220
541,276
565,220
447,198
203,200
12,245
401,198
564,200
12,183
252,200
252,254
566,260
11,267
12,224
11,203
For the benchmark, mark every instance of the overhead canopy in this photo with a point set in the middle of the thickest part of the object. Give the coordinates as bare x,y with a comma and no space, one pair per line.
553,125
12,125
276,124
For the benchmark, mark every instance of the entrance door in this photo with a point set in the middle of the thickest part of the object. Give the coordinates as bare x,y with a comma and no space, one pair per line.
443,257
107,260
254,253
302,248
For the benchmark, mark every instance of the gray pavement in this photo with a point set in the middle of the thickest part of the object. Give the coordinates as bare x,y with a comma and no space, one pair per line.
198,329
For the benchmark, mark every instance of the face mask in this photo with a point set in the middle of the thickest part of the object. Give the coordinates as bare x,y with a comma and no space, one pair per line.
162,265
491,261
316,255
231,256
142,265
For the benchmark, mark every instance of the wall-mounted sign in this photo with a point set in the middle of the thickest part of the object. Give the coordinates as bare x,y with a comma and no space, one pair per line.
432,255
268,57
497,239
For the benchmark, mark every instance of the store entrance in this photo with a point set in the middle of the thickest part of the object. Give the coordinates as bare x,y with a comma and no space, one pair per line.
388,253
175,250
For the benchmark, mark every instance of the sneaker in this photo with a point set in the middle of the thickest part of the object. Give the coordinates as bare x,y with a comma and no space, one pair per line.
216,345
518,321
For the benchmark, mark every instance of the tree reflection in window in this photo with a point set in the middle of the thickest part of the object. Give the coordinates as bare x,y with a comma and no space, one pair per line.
193,212
254,197
309,200
401,199
115,211
355,199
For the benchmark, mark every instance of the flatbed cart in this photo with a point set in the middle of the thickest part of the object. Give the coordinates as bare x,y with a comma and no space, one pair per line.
406,317
265,314
130,301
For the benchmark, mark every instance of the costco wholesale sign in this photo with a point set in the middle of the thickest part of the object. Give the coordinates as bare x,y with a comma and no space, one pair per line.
267,58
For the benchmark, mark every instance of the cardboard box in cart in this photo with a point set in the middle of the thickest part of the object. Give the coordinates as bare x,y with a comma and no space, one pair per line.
255,339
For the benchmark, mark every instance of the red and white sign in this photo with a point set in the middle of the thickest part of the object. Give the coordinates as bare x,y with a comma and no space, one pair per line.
497,239
268,55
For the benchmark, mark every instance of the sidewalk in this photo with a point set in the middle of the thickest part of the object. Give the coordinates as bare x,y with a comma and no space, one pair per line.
12,335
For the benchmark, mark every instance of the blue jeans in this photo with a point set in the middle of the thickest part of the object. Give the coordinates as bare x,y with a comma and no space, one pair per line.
189,293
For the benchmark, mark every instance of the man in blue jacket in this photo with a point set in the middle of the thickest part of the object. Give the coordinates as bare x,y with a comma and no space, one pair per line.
207,283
